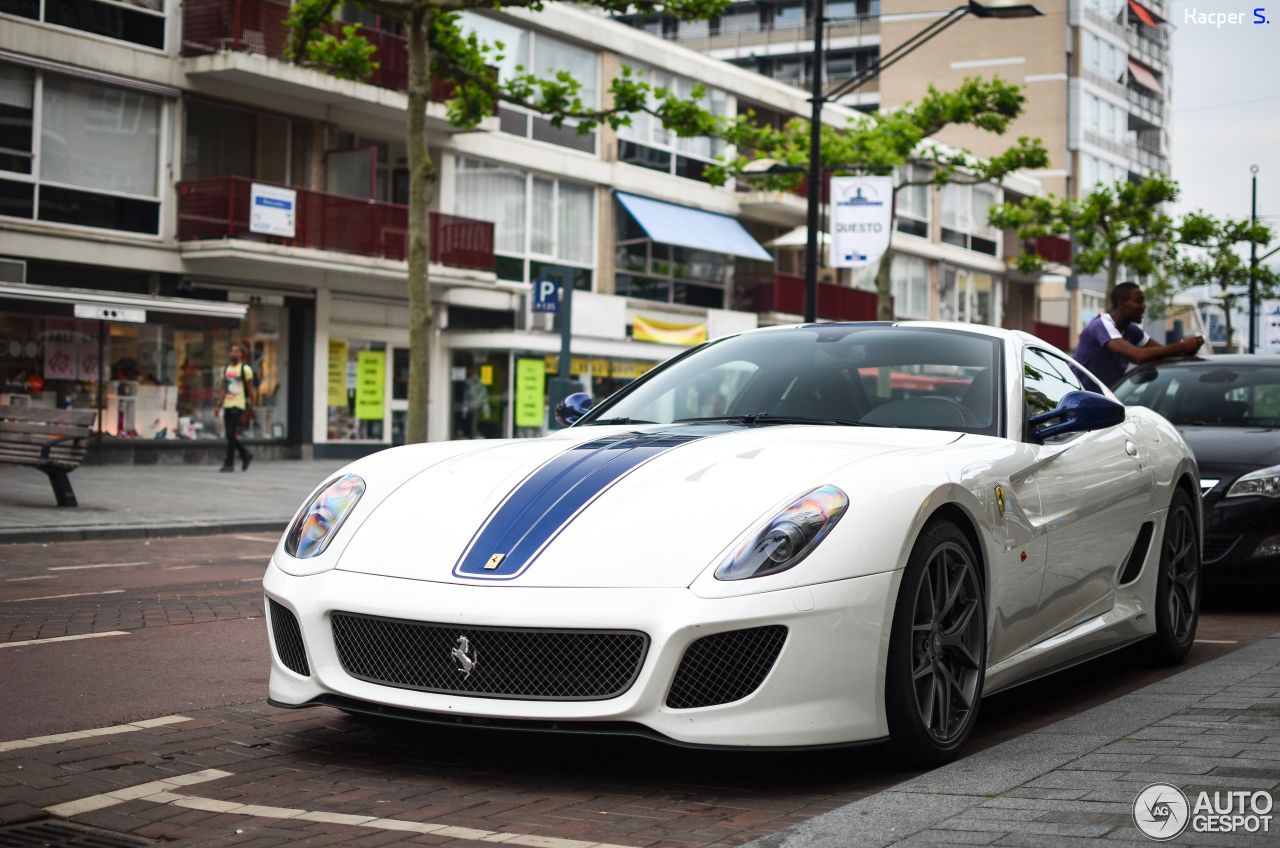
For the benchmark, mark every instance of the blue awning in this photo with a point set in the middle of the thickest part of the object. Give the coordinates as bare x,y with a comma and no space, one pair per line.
684,226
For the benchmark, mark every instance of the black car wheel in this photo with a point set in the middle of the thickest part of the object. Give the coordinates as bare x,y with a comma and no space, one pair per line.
1177,602
937,649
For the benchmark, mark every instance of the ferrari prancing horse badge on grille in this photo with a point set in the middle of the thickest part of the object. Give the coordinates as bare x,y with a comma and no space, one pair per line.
1000,499
465,656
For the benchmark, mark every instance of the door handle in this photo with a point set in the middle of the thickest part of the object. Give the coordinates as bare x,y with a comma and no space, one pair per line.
1130,448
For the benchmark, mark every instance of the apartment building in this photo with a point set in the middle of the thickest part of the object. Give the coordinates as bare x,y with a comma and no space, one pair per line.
169,185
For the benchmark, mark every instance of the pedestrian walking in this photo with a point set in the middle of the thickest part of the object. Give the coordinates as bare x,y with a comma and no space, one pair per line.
235,400
1114,340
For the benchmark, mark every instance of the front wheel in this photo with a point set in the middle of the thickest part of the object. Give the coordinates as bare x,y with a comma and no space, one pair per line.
937,649
1177,602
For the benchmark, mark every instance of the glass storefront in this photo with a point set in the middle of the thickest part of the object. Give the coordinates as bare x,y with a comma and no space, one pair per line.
161,376
478,394
357,393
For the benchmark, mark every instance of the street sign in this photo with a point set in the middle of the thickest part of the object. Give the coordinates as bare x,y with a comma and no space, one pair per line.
546,296
272,210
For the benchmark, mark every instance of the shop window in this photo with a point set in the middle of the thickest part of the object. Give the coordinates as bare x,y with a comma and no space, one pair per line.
138,22
478,394
356,390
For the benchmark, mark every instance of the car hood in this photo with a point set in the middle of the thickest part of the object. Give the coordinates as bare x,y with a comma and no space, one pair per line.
605,507
1229,451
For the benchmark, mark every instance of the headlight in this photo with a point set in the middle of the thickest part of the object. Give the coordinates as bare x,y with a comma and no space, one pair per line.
788,538
1264,481
323,517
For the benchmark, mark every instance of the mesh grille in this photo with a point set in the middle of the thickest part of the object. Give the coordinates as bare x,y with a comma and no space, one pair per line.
1217,547
536,665
49,834
725,667
288,639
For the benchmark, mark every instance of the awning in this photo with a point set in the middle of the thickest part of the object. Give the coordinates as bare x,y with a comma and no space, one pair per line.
1144,77
799,237
684,226
125,303
1143,14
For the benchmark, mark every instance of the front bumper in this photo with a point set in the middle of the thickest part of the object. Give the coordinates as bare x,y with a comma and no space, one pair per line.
1233,530
826,687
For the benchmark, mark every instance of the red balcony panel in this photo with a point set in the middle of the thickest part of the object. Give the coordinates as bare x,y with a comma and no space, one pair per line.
1057,336
218,208
785,293
1054,248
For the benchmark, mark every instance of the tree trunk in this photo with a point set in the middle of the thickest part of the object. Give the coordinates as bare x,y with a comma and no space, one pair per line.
884,287
422,175
1228,304
1113,269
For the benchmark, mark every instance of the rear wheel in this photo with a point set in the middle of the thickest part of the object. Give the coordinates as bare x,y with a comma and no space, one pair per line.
937,649
1177,602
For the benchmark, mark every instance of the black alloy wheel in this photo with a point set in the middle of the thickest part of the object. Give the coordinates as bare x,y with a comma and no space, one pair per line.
1177,601
937,650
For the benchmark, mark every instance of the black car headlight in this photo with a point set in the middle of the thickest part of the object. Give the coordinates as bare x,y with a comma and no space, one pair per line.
1264,481
788,538
315,526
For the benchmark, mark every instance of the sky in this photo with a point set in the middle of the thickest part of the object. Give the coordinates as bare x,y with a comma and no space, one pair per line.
1226,108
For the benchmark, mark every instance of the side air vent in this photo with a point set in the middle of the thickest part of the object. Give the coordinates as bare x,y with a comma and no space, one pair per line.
725,667
1137,556
288,636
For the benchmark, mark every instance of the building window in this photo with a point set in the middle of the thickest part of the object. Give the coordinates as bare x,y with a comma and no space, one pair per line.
968,296
93,160
666,273
914,202
138,21
910,287
645,143
745,18
356,405
964,217
223,142
543,227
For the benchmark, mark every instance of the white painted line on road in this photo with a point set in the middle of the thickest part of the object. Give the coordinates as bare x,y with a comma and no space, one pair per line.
132,793
158,793
254,556
266,540
38,577
64,638
1217,641
179,567
57,597
98,565
36,741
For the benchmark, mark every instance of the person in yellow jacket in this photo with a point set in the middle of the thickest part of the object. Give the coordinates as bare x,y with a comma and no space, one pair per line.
236,396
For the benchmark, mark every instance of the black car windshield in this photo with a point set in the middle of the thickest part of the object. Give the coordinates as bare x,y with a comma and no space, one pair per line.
836,374
1206,393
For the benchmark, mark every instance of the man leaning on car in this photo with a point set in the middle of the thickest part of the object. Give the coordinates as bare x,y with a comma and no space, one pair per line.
1114,340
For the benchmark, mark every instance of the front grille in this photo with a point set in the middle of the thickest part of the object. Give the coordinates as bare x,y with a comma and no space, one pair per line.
1216,547
490,662
284,626
725,667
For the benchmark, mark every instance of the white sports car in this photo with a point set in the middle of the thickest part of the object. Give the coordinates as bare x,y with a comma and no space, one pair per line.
798,536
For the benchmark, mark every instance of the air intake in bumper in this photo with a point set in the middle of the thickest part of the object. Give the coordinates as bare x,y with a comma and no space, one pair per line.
288,638
725,667
489,662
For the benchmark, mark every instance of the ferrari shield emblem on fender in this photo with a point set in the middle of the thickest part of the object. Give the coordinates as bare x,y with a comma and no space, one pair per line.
1000,499
464,656
494,562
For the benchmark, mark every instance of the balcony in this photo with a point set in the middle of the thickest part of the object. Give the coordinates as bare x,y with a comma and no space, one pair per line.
733,40
1148,45
1149,108
785,293
218,208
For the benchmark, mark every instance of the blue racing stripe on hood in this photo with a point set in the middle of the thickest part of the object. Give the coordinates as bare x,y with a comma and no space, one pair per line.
546,501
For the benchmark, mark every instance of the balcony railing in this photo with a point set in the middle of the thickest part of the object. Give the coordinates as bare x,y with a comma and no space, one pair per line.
258,26
785,293
1149,107
1059,337
771,39
219,208
1149,45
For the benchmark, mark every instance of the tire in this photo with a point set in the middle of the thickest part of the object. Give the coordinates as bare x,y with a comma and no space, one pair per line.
1179,585
937,649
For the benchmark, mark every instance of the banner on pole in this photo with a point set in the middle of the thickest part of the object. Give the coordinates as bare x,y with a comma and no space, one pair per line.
860,220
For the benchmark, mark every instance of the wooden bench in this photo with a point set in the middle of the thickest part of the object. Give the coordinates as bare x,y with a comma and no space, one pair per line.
53,440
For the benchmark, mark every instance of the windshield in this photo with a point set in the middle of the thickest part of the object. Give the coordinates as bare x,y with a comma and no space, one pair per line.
872,375
1207,394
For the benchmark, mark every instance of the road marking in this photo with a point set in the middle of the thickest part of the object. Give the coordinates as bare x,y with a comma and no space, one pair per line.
36,741
56,597
1217,641
158,792
98,565
266,540
179,567
39,577
64,638
253,556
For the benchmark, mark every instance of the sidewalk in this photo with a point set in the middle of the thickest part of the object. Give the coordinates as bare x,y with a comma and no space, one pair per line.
141,501
1073,784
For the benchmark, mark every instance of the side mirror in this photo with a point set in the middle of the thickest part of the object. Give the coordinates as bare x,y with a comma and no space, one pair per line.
572,408
1078,412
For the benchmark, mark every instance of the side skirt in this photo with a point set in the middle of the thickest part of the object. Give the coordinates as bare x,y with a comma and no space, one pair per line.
1066,664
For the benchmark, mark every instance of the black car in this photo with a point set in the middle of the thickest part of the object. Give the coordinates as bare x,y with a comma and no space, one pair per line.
1228,410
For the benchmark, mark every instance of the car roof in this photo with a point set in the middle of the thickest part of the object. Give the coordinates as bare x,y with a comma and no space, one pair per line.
1219,360
976,329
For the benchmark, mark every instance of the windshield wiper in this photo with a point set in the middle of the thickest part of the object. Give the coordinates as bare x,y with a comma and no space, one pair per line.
766,418
618,421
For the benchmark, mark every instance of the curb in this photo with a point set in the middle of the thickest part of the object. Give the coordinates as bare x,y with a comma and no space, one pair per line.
87,533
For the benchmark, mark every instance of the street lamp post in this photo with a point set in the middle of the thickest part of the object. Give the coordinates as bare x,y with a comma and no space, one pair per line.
991,9
1253,267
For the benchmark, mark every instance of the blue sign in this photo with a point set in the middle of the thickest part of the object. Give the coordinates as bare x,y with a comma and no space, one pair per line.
546,296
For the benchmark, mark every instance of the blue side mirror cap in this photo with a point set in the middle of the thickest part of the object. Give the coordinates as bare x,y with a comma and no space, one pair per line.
570,410
1077,412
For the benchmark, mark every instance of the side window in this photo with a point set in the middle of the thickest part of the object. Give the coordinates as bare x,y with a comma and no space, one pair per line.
1046,379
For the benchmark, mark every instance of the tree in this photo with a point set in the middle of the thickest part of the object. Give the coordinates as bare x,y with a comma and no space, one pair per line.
1114,226
1217,262
888,141
438,48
